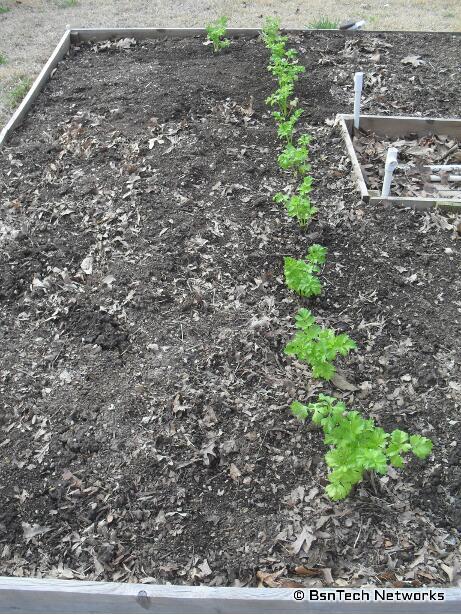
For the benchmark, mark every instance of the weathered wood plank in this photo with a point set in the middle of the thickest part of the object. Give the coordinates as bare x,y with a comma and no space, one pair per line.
102,34
420,204
97,34
399,126
20,595
18,116
341,122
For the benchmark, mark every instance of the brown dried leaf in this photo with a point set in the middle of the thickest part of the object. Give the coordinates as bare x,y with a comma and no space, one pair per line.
269,578
234,472
303,571
341,383
303,541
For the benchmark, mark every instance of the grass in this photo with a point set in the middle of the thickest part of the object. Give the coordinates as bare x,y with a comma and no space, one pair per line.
67,3
2,59
324,23
19,91
4,9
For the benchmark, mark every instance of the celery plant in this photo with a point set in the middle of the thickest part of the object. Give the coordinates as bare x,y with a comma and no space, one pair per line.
357,445
216,32
300,274
317,346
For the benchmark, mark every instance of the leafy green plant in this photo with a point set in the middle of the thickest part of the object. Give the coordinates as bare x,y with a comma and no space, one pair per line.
270,32
285,69
216,31
299,205
300,274
324,23
283,63
4,9
2,59
19,91
294,157
357,445
317,346
281,99
286,128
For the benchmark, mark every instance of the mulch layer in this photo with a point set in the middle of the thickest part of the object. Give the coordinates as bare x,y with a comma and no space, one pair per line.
145,427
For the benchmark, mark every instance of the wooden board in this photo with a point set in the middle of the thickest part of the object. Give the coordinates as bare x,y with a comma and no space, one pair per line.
399,126
102,34
394,127
421,204
19,595
345,132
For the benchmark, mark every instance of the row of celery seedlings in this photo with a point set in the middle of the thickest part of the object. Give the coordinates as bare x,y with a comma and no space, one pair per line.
357,446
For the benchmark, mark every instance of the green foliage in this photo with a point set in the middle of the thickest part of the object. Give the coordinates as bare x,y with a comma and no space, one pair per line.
281,99
317,346
283,62
2,59
305,187
270,32
285,68
286,127
216,31
19,91
357,445
300,274
294,157
4,9
299,205
324,23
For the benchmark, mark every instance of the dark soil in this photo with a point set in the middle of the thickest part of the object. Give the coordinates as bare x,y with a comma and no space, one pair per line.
146,432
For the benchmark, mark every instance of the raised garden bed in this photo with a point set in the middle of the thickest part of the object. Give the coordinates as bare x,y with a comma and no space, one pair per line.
428,171
145,430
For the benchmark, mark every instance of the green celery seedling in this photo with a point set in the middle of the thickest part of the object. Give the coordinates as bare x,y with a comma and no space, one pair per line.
270,32
295,157
278,50
357,445
216,32
317,346
300,274
281,99
305,187
299,205
286,72
286,128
